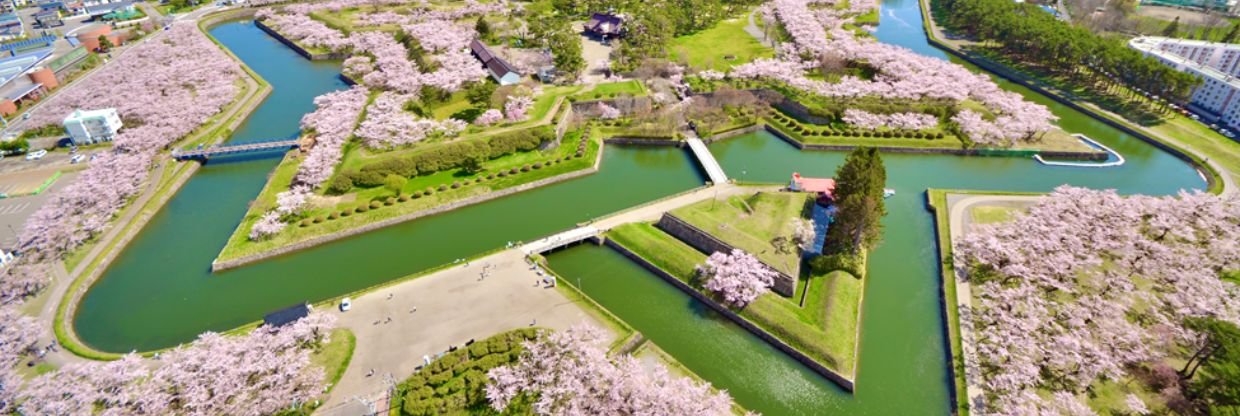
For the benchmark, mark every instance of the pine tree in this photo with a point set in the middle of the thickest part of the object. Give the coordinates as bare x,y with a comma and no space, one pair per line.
483,28
859,200
1231,35
1172,29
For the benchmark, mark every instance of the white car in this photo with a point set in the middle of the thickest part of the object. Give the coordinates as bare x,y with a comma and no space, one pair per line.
346,304
36,155
78,158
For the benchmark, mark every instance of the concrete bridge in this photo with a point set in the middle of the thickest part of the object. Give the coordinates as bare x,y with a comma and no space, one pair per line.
553,242
235,149
706,159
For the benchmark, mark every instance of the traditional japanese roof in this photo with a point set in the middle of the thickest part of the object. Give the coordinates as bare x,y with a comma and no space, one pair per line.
287,315
496,65
481,51
605,24
824,186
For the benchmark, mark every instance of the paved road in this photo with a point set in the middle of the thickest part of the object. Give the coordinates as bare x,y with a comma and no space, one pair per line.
959,206
14,211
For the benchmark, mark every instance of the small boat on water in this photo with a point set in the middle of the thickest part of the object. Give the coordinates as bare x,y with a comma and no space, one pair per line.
888,192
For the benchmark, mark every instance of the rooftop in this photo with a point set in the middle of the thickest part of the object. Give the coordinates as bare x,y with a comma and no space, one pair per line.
287,315
14,66
85,114
819,185
1149,44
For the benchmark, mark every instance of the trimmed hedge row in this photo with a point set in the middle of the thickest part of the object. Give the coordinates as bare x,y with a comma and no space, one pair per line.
795,126
443,157
454,382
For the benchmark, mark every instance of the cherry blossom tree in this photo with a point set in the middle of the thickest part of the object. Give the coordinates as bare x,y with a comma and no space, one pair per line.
607,112
186,80
737,276
489,117
263,372
517,107
570,374
1088,284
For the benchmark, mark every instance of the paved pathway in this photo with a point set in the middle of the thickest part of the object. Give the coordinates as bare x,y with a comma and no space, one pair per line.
959,207
452,306
753,30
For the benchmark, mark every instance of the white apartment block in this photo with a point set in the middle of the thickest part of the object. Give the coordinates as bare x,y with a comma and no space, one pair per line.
94,126
1217,64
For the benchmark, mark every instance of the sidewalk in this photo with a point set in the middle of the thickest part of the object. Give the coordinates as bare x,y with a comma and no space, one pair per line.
959,207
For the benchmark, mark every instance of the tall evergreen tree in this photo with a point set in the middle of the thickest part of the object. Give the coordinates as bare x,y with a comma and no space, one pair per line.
1172,29
1231,35
859,200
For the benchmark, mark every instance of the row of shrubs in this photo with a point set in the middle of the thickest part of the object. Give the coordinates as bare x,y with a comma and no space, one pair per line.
466,153
799,128
454,382
392,200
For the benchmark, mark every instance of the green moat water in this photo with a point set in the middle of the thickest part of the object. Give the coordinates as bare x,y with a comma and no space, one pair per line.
160,292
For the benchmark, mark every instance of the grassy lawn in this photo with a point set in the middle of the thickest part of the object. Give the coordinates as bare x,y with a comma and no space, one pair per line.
1224,151
334,356
942,225
239,245
992,214
612,89
457,103
751,223
824,328
787,127
720,47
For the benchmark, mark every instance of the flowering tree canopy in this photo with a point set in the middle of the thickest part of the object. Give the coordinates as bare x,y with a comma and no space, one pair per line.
737,276
263,372
185,80
1089,283
570,374
820,33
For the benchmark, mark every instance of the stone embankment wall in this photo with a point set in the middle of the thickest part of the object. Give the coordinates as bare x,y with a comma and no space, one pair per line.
704,242
796,354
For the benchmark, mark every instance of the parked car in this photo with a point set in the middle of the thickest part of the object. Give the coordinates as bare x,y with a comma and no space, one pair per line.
36,155
77,159
346,304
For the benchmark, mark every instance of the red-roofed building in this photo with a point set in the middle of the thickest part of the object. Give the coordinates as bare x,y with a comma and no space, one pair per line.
824,187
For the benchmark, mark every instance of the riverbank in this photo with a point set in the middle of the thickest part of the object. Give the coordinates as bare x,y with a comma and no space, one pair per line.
160,189
1221,177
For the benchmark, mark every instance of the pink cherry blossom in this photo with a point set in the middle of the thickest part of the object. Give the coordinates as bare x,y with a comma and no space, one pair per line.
737,276
569,373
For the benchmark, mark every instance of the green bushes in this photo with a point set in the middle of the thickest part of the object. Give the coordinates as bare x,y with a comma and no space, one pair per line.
454,383
447,156
851,263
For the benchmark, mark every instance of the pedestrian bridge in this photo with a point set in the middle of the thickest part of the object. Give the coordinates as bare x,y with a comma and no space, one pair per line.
553,242
707,160
235,149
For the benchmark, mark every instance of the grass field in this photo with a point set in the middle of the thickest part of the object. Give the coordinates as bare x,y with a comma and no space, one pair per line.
630,87
334,356
992,214
751,223
824,328
719,48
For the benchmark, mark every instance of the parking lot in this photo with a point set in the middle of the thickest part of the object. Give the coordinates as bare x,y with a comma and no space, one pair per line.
15,211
